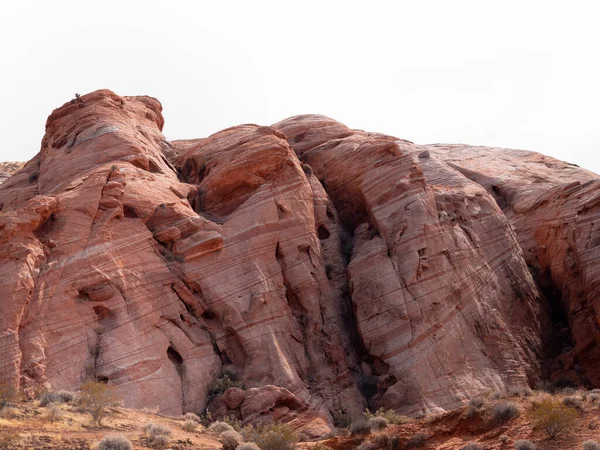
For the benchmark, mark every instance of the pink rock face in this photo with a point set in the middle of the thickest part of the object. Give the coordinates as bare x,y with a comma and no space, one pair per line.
554,208
328,269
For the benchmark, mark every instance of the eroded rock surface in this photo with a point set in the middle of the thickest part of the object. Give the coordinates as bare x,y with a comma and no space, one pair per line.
327,269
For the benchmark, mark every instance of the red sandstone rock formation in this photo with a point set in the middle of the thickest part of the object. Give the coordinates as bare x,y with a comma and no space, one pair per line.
327,268
7,169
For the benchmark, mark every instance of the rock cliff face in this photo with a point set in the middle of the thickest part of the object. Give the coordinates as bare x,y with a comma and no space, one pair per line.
7,169
328,269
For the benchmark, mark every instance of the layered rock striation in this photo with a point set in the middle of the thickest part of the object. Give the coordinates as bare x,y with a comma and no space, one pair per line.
327,269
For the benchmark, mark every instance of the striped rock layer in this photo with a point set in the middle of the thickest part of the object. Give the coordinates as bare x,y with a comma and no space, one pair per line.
328,269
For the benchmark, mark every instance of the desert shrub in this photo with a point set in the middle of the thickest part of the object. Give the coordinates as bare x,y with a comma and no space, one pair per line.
54,413
391,416
8,394
360,427
341,419
61,396
476,403
307,169
472,446
272,436
520,392
505,411
523,444
253,446
118,442
567,391
158,436
236,424
95,398
553,416
377,423
592,397
8,412
591,445
503,439
221,384
230,440
573,402
379,440
192,416
497,395
545,386
416,441
220,427
160,442
190,425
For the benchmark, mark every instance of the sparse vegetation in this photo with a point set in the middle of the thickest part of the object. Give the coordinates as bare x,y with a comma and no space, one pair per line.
307,169
319,446
341,418
503,439
220,427
520,392
8,394
118,442
8,412
273,436
9,440
157,435
360,427
553,416
377,423
190,425
573,401
54,413
61,396
95,398
590,445
230,440
524,444
505,411
392,417
192,416
253,446
472,446
221,384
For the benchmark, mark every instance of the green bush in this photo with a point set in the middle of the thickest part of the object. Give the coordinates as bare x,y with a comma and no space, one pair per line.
221,384
553,416
118,442
95,398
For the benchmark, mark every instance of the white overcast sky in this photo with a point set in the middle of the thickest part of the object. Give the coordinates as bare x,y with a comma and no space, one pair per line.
520,74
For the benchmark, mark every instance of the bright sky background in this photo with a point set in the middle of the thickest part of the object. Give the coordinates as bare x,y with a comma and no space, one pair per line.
519,74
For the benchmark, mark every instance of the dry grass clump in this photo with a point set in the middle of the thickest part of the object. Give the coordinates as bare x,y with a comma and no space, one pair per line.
377,423
503,439
272,436
360,427
54,413
505,411
157,435
590,445
219,427
392,417
61,396
573,401
472,446
230,440
524,444
474,408
190,426
192,416
118,442
8,412
253,446
553,416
